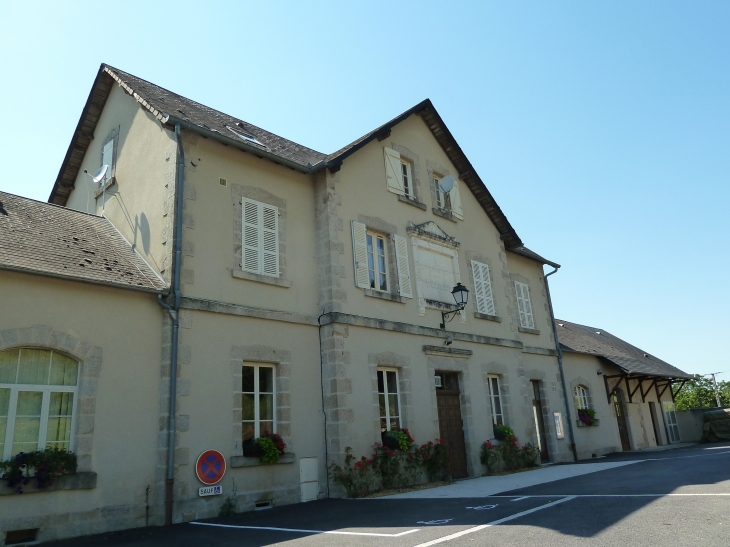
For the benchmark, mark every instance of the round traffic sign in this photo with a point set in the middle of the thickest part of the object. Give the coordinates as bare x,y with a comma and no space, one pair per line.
210,467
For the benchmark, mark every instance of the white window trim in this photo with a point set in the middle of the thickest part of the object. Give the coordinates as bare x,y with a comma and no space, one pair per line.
256,396
46,390
580,396
440,196
482,278
376,265
493,396
387,416
408,189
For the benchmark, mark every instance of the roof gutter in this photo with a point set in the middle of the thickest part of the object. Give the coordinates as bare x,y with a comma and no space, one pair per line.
560,366
217,135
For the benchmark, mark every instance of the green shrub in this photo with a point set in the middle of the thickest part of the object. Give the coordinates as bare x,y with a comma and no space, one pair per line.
269,453
358,479
435,459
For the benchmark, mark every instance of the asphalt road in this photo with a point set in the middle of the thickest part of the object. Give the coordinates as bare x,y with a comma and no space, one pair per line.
675,497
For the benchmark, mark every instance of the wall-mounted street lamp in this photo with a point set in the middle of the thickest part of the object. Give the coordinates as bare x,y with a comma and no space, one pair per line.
461,295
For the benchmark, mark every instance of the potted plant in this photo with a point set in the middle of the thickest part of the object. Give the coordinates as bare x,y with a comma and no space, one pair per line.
586,417
268,447
503,432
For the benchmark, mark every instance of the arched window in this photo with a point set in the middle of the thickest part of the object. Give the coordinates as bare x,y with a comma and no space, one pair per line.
37,400
581,397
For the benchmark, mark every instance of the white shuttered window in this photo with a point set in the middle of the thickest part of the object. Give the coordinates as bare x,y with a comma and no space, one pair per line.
483,288
360,254
394,171
404,270
260,238
524,305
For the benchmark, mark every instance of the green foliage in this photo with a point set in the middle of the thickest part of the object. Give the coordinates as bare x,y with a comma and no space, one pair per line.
699,392
587,416
269,453
44,466
402,438
228,509
508,456
434,458
396,469
502,432
358,479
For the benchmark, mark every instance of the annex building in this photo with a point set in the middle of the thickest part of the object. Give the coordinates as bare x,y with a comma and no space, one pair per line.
219,282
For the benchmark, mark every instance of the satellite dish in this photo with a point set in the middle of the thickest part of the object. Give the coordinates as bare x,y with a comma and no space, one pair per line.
446,184
99,175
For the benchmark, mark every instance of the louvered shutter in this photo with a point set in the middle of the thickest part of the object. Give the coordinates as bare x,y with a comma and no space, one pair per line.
393,171
107,158
360,254
270,240
251,221
483,288
404,270
524,306
456,209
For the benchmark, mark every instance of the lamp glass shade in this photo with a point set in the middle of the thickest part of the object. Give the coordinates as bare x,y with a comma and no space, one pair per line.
460,294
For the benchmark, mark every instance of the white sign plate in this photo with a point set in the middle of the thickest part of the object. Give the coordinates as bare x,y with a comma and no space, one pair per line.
210,490
558,425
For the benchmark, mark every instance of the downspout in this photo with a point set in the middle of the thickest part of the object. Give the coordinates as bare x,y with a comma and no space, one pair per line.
174,312
560,367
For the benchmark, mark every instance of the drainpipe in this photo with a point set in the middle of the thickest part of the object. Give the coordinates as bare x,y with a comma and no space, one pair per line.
560,366
174,312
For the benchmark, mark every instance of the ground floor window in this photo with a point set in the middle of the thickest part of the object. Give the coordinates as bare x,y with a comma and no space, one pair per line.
388,399
37,400
495,400
581,397
258,400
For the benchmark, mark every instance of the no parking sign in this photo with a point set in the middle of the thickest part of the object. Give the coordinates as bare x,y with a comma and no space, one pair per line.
210,467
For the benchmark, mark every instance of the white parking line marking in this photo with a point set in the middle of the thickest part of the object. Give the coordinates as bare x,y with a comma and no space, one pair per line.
483,507
313,532
493,523
430,522
522,498
613,495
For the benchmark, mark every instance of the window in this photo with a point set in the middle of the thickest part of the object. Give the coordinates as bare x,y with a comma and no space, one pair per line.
581,397
377,266
524,306
440,196
107,158
483,288
495,400
388,399
407,179
37,400
260,224
258,400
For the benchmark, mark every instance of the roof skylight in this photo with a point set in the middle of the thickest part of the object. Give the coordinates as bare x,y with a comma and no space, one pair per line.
240,134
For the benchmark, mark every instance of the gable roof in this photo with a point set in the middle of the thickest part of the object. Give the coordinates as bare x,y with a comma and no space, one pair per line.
45,239
629,358
170,108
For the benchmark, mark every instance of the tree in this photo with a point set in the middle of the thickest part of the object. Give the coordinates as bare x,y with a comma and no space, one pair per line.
699,392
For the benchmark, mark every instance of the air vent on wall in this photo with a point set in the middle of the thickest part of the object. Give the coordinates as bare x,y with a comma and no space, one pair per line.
223,182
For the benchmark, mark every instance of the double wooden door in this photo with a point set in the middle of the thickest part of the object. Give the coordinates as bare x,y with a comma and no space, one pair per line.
451,426
623,429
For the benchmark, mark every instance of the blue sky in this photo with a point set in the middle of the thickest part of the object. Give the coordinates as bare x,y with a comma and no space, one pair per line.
603,130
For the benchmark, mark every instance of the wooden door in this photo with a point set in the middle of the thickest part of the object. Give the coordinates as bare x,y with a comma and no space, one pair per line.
539,423
451,427
623,430
655,422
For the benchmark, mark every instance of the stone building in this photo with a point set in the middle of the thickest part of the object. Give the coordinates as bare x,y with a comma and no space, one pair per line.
218,281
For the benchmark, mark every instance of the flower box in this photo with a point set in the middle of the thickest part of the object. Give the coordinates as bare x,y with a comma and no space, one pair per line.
583,424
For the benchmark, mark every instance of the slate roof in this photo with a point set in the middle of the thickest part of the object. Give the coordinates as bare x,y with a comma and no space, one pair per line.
41,238
170,108
630,359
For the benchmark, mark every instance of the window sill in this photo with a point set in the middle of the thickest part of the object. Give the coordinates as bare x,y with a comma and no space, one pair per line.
384,295
528,331
412,201
487,317
279,282
244,461
583,424
445,214
108,184
77,481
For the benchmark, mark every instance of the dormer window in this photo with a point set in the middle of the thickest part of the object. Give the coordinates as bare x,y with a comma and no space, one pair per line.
242,135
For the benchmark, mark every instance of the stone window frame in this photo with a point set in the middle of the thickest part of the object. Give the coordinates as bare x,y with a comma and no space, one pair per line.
402,364
539,376
238,192
479,257
501,371
281,361
378,226
89,358
586,385
411,157
436,170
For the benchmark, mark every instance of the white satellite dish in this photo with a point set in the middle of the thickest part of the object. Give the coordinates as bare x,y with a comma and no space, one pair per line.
99,175
446,184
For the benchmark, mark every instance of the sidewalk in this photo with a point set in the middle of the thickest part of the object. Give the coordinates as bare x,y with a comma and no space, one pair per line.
490,485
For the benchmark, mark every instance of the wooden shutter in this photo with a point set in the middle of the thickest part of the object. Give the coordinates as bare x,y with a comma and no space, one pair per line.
393,172
260,224
107,158
483,288
456,209
270,240
404,270
360,254
524,305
